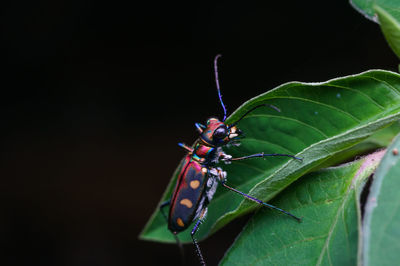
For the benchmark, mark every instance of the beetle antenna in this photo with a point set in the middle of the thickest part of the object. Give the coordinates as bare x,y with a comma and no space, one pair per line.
181,250
217,82
252,109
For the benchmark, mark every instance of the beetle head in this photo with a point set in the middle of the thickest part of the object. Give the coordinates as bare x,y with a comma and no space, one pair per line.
216,133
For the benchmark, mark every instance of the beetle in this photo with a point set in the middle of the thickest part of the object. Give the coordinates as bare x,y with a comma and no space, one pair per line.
199,177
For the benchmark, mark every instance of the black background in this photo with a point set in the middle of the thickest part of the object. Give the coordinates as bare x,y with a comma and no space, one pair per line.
95,96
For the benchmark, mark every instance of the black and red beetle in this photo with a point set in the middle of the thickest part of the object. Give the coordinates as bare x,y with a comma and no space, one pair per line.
198,177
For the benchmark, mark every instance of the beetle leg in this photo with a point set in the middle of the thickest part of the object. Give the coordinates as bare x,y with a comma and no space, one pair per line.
162,207
186,147
218,173
199,127
226,158
194,230
262,155
259,201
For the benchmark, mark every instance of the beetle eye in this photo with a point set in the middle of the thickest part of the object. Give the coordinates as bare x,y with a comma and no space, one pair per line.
220,132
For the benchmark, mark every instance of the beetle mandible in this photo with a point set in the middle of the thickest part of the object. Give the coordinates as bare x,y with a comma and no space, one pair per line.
199,177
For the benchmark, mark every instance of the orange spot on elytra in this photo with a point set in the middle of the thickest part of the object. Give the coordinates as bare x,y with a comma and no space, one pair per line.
187,203
180,222
194,184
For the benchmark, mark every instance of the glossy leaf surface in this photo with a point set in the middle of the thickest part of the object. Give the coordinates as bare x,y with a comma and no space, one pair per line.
316,122
382,212
328,235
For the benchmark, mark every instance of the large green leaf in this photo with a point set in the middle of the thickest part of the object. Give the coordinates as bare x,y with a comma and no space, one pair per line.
387,14
317,121
382,213
328,235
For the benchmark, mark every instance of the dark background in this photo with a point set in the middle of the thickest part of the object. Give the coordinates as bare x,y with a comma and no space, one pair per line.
95,96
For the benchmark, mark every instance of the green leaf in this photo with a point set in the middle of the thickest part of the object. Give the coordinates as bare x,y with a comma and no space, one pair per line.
390,27
367,8
383,137
317,121
387,14
380,139
328,235
382,214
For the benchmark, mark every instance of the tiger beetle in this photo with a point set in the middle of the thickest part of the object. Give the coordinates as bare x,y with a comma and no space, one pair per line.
198,177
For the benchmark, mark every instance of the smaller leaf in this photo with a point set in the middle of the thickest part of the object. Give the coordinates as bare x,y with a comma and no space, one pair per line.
328,202
387,14
382,213
365,7
390,27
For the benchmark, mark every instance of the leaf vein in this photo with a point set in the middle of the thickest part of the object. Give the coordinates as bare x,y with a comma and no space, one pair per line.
361,92
318,103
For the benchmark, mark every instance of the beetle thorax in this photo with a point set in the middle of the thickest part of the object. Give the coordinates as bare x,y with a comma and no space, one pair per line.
205,154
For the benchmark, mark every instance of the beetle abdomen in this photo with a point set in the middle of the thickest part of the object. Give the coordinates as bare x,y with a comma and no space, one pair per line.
187,195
